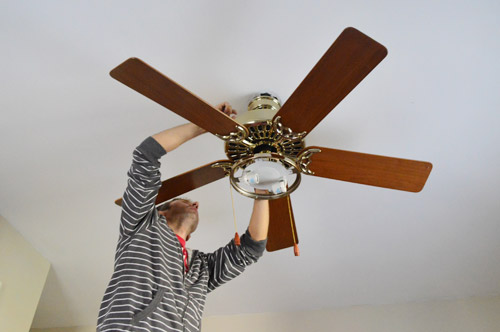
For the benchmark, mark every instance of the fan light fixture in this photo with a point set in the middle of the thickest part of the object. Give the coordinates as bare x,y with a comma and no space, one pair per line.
264,161
274,175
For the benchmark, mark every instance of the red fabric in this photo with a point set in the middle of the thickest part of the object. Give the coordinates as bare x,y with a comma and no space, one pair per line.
184,252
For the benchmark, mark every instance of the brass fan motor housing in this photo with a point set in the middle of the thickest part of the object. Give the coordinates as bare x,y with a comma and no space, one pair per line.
265,135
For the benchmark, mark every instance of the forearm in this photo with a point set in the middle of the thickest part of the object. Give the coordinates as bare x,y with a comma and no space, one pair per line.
171,138
259,221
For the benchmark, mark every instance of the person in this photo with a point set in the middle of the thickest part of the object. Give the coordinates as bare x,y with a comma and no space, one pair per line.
157,283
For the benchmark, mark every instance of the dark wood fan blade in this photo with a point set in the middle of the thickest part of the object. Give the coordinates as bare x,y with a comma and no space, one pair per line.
188,181
280,234
373,170
346,63
146,80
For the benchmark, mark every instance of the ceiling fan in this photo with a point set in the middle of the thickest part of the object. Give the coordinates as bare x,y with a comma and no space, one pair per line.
265,146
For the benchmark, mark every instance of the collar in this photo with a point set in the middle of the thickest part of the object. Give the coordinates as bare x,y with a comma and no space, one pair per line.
181,240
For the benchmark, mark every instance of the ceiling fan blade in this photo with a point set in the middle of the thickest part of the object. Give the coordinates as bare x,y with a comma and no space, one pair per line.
146,80
280,234
373,170
346,63
188,181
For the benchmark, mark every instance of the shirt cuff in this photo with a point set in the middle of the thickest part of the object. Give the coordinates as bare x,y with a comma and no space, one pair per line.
151,149
255,247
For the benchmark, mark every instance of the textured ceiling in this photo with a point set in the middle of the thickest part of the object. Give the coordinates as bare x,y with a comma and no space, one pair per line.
68,130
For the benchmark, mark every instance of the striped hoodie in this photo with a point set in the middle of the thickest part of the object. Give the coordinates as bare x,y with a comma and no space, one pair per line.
149,290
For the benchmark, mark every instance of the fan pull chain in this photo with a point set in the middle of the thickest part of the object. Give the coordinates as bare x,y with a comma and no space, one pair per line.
236,236
295,245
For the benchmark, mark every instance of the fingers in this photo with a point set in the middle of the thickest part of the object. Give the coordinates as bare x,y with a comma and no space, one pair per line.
261,191
227,109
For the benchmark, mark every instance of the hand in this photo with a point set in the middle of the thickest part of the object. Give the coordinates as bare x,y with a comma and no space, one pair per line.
227,109
261,192
224,108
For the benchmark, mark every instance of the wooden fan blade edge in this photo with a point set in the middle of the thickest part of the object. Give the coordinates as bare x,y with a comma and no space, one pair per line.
143,78
280,234
374,170
186,182
346,63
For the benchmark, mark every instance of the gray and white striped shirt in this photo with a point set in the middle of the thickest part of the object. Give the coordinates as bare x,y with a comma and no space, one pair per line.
149,290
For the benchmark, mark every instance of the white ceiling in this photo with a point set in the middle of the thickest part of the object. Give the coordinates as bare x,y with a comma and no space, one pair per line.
68,130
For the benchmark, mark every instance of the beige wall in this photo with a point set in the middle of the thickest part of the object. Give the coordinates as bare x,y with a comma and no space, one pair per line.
67,329
470,315
23,272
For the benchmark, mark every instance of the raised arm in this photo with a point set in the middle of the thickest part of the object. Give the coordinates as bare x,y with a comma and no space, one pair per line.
144,174
171,138
230,261
142,188
259,221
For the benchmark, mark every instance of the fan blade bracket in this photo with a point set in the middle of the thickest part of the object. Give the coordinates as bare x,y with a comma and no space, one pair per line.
269,136
304,160
285,133
240,135
225,165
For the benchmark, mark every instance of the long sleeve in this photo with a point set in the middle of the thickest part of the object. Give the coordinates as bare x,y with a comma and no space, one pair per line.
230,261
143,184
